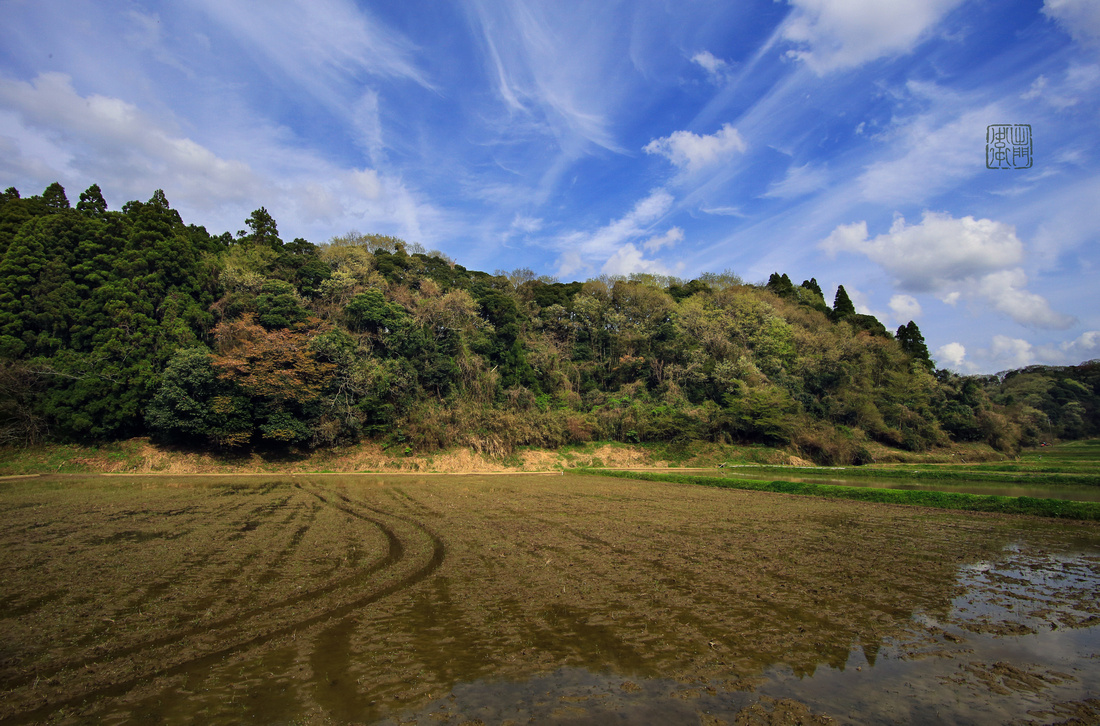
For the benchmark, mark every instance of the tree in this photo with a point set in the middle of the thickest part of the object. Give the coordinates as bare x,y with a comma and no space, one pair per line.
278,370
842,304
263,230
192,403
55,199
912,342
811,284
91,202
781,285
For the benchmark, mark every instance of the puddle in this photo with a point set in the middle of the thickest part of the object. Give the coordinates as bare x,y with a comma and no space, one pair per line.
1022,640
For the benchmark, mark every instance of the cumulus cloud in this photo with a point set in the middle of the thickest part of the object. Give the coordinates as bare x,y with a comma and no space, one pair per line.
692,152
1085,347
83,139
613,244
1005,352
628,259
953,257
905,307
952,354
1005,290
939,250
838,34
1079,18
112,141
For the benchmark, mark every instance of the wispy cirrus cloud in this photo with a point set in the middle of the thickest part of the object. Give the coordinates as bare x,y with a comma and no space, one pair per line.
547,63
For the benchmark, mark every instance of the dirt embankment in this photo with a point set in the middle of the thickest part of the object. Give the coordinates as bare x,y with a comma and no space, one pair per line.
140,456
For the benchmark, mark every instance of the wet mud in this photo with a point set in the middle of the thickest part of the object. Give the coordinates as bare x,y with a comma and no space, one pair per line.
522,599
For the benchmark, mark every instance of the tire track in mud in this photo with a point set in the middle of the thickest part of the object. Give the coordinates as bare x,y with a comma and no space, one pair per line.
120,658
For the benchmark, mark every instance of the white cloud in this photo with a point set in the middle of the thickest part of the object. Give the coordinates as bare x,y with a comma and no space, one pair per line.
862,302
527,225
322,45
668,239
1006,352
934,253
933,156
952,354
905,308
78,140
1079,18
544,60
723,211
1005,289
115,143
800,180
692,152
716,68
1079,83
613,243
1011,352
1084,347
837,34
954,257
628,259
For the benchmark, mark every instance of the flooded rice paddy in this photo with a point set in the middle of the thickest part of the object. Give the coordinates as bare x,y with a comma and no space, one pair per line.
531,599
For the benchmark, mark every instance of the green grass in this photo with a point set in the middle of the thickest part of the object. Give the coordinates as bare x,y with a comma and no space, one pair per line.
941,475
1058,508
1074,463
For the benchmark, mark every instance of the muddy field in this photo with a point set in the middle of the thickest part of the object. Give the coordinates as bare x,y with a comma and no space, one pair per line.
524,598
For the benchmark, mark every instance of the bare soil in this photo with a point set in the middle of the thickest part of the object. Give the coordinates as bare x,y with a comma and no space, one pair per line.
313,599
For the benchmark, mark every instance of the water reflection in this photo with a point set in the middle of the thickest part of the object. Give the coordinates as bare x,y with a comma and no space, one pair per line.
959,668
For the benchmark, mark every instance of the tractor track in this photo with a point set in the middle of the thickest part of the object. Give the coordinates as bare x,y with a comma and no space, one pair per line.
117,671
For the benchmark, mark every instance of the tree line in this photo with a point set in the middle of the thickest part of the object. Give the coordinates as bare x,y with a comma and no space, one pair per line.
127,323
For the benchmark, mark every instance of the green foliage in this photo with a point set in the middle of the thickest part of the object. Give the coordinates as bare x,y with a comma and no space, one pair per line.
842,304
912,342
110,317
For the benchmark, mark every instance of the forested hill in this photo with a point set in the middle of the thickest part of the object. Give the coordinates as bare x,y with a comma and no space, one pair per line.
125,323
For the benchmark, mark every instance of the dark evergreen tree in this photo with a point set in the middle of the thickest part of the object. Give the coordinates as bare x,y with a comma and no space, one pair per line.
91,202
912,342
55,199
811,284
842,304
781,285
262,229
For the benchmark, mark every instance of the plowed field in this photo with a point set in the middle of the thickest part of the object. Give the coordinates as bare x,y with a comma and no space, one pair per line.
314,599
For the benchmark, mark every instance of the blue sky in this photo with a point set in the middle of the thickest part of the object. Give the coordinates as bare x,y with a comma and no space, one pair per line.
839,139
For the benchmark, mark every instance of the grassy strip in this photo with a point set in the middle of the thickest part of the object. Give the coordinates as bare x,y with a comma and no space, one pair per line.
943,475
1059,508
